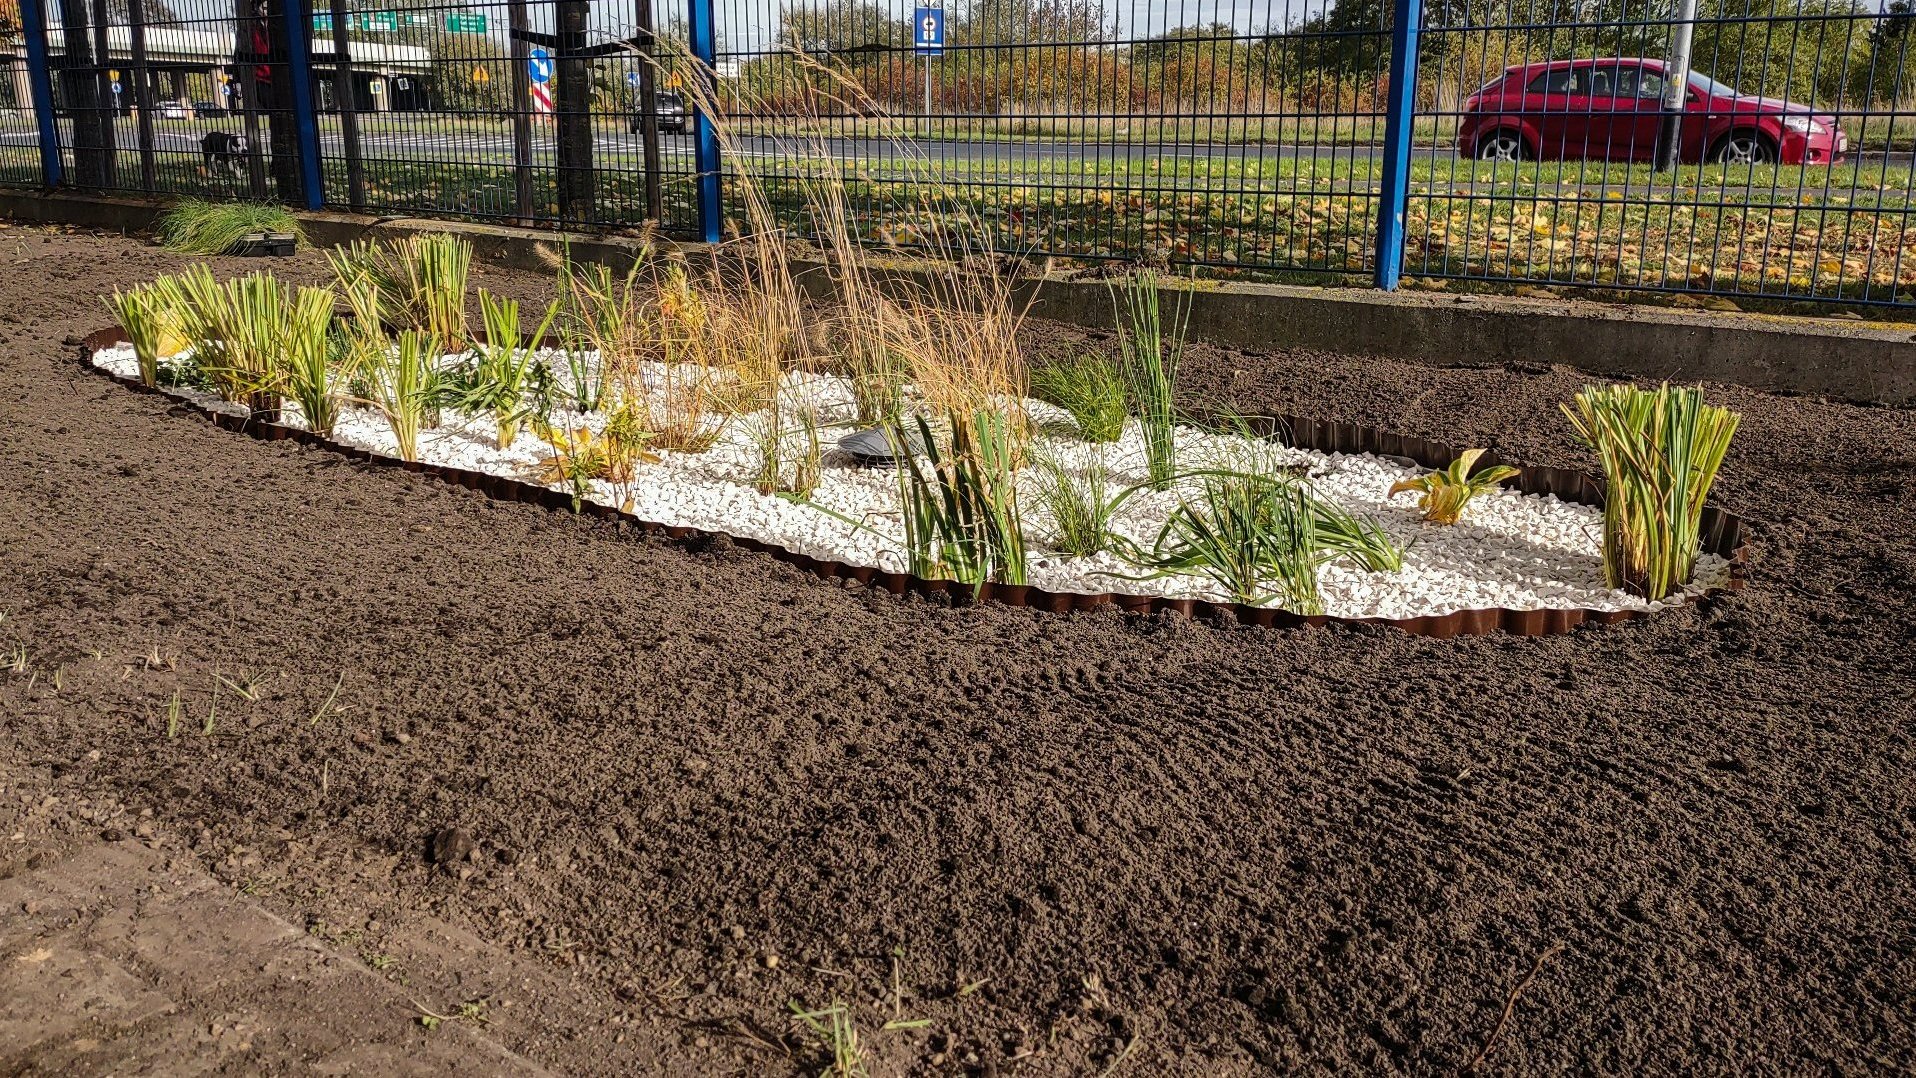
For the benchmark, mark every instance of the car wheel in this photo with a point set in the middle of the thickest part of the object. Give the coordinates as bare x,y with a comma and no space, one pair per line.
1744,148
1501,146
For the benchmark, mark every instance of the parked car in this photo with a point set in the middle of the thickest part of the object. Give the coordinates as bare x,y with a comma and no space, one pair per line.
207,110
671,111
173,110
1612,110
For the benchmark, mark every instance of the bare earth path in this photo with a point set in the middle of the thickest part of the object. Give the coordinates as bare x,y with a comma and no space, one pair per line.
701,787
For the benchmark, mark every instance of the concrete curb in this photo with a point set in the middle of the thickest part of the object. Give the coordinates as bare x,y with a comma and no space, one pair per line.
1858,361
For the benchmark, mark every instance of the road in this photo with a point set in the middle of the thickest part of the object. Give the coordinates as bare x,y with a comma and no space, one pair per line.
416,140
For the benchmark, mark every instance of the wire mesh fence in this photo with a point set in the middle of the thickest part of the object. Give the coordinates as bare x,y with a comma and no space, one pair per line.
1544,142
1786,150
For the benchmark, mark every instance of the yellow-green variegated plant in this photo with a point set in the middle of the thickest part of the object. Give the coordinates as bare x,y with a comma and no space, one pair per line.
1447,490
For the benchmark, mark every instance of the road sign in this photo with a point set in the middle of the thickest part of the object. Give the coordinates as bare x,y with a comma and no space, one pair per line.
480,74
539,67
928,37
466,22
322,24
374,22
632,79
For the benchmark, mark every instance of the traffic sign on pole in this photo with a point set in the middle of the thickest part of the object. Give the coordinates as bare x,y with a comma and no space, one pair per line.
539,69
928,33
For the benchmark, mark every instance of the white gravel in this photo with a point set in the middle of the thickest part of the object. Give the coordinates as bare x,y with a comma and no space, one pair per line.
1511,550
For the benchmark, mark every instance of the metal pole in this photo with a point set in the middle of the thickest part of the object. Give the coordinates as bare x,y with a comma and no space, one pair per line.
649,113
142,98
1676,86
346,100
299,71
704,33
109,101
1398,119
927,97
572,101
80,93
244,58
33,27
521,110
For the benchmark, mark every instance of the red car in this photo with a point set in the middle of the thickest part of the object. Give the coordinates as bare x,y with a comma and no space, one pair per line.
1612,110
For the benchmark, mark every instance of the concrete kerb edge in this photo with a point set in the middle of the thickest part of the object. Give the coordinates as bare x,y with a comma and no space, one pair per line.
1857,361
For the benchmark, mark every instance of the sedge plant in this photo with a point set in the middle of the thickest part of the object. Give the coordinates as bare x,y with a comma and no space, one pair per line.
1092,389
1254,538
1079,503
403,381
239,328
195,226
308,375
1660,450
421,281
1149,354
149,315
1447,490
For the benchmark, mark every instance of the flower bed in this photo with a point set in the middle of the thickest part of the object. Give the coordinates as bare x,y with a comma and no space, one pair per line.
1524,559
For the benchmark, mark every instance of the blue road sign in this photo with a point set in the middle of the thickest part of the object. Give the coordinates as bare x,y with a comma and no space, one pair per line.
632,79
539,66
928,33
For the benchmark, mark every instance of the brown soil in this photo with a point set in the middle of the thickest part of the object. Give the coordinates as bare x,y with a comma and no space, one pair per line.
702,786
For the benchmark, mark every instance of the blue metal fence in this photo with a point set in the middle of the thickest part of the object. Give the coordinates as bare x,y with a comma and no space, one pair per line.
1437,143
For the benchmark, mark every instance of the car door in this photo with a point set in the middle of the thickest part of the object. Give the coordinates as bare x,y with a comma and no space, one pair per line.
1557,104
1627,117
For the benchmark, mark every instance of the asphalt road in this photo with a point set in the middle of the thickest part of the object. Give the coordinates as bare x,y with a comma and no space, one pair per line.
414,139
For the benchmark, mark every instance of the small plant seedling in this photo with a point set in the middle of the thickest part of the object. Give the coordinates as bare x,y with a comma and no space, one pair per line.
1448,490
834,1026
247,684
175,714
327,707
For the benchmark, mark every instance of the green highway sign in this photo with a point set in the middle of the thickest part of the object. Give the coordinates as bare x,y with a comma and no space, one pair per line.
466,22
374,22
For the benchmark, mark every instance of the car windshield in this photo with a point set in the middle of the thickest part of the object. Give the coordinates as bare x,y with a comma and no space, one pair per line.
667,101
1709,87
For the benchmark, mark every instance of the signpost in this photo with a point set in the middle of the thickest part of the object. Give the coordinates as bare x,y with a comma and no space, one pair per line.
539,67
928,40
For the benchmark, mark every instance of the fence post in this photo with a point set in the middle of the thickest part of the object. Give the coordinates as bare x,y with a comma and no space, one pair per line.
346,102
572,106
33,27
1399,117
109,101
142,96
299,72
704,34
521,25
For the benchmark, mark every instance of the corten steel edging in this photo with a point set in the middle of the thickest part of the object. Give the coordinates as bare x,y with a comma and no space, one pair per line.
1723,533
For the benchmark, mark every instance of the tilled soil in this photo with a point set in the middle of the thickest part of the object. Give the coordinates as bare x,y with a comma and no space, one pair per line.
703,787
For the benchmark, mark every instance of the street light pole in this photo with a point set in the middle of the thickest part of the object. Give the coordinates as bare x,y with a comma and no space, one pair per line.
1676,85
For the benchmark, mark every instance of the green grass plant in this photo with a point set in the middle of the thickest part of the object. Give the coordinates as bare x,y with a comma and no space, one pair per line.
1092,389
1150,352
239,332
1079,502
197,227
1661,450
1254,538
961,509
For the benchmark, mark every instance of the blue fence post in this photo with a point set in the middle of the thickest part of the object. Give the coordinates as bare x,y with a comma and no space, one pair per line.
704,33
33,27
299,69
1399,116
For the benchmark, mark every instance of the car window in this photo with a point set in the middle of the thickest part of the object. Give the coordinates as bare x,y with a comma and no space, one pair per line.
1562,80
1625,80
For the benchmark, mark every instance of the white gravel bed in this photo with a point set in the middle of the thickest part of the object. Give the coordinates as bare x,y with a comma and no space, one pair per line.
1513,550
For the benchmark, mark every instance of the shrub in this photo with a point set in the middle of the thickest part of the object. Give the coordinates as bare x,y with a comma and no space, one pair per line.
1660,450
